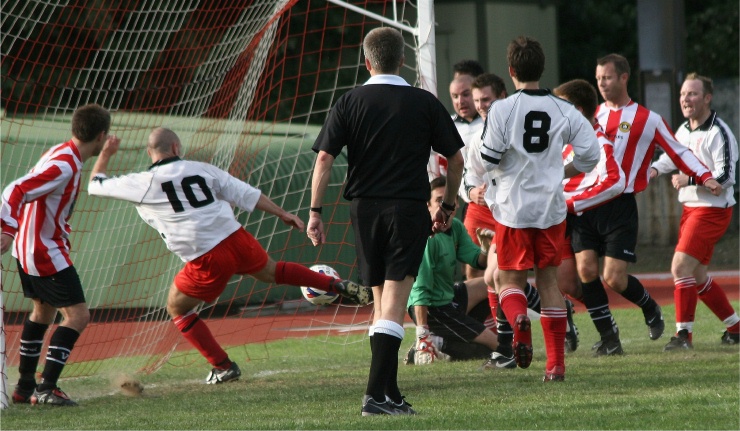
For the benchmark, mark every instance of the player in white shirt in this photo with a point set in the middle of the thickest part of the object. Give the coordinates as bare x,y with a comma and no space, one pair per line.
705,216
35,214
469,125
613,228
522,150
189,204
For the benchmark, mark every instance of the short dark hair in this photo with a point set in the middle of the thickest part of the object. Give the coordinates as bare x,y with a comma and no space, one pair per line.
89,121
526,58
383,47
468,67
621,65
440,181
580,93
491,80
706,83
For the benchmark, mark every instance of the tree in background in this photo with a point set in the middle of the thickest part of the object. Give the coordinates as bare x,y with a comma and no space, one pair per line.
589,30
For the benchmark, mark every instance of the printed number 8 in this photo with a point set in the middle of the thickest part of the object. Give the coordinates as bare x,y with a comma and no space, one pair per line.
536,126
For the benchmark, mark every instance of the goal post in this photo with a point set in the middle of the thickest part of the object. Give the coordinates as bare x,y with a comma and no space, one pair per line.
247,86
4,392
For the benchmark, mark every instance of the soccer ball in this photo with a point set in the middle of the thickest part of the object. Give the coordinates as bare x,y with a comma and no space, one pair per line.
318,296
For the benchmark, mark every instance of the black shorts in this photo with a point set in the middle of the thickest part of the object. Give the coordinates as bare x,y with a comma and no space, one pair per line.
390,238
610,229
62,289
451,321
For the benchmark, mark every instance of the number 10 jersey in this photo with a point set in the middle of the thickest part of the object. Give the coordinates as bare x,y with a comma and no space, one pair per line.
187,202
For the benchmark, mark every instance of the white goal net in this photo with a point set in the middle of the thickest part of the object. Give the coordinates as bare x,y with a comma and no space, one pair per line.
246,85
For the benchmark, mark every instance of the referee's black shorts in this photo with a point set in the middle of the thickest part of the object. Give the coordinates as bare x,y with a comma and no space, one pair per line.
390,237
609,229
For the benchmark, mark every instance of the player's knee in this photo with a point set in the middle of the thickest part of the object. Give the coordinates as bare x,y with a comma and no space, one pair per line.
77,318
588,275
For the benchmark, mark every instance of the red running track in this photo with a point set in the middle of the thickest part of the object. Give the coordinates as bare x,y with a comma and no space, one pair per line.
238,331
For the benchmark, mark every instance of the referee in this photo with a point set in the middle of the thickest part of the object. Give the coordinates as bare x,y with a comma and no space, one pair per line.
388,128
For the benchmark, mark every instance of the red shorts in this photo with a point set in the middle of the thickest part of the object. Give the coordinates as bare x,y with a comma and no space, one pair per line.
478,216
522,249
205,277
700,229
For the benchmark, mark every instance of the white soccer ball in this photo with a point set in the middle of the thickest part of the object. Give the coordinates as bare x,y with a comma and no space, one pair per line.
318,296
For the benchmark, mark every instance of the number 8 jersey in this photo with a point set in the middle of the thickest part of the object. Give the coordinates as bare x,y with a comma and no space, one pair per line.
522,148
187,202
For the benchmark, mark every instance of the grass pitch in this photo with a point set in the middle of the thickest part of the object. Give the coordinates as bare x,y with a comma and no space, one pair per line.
309,384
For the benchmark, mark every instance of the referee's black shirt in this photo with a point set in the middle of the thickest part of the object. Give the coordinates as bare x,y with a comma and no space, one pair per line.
388,130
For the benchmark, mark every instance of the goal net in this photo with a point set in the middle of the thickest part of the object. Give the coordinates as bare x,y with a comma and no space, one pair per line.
247,86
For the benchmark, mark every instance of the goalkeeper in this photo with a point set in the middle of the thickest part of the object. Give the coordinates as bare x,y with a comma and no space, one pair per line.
442,310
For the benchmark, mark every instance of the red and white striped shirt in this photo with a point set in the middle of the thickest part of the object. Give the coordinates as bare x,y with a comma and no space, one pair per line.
635,130
591,189
36,208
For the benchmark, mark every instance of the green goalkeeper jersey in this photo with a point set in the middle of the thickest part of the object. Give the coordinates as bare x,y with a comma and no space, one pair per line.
433,285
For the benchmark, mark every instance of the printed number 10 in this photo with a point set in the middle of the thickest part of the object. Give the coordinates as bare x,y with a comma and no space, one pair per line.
187,188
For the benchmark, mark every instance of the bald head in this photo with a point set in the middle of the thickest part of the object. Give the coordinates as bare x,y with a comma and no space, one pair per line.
163,143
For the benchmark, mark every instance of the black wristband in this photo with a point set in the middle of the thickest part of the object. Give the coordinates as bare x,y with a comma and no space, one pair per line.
447,207
315,209
692,181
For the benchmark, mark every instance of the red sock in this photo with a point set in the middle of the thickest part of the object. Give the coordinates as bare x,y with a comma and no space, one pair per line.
554,323
197,333
734,329
685,297
493,302
298,275
513,302
716,299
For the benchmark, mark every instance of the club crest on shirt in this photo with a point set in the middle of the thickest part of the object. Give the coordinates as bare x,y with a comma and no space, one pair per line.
624,127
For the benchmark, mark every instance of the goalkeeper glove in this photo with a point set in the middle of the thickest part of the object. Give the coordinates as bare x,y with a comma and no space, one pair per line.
426,352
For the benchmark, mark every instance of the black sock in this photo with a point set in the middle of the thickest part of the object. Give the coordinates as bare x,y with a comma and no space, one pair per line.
32,341
383,362
391,386
533,297
597,303
505,333
62,342
638,295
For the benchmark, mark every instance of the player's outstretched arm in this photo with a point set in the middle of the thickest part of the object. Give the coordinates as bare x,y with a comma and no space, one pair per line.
267,205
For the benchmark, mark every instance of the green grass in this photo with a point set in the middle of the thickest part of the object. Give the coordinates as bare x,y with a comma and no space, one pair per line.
308,384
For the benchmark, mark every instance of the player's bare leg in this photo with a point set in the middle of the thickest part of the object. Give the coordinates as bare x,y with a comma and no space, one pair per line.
617,278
